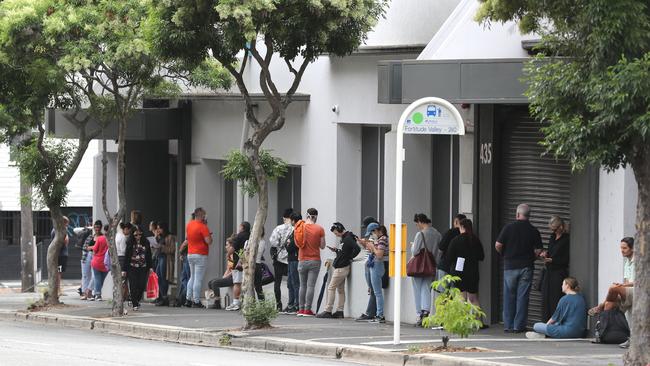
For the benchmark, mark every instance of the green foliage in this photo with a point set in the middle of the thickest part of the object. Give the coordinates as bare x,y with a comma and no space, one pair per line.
455,314
211,74
225,340
35,169
239,168
591,81
259,313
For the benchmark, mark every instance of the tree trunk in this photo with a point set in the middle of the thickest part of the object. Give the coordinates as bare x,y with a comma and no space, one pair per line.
53,250
26,238
639,351
260,219
116,271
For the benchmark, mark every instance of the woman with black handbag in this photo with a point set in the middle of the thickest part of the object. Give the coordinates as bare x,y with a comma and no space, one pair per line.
556,261
422,266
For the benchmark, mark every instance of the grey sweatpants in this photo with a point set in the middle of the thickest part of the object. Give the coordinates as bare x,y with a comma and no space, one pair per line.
308,271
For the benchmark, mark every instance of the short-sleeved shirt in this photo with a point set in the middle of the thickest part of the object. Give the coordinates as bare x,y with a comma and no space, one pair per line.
196,232
570,318
519,239
628,269
311,250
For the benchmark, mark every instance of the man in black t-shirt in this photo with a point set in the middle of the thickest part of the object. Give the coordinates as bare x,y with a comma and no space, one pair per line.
520,244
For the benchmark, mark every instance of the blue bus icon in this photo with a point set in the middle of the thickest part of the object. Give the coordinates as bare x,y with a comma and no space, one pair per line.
433,111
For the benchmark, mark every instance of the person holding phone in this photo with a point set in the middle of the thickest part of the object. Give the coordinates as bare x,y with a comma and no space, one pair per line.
344,256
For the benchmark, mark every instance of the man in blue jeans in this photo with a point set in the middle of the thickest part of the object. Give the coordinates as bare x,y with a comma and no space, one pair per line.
520,244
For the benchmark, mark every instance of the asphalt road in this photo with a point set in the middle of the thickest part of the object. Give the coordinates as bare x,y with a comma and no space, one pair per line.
30,344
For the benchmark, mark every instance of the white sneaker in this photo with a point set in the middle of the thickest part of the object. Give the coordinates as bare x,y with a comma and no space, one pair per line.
535,335
232,307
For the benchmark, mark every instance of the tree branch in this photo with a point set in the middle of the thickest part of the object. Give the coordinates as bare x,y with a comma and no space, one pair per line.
250,116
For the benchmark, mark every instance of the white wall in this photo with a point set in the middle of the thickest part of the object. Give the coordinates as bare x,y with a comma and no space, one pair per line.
616,219
80,186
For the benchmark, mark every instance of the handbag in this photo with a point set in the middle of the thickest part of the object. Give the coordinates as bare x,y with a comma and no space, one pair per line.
107,260
267,275
152,286
422,264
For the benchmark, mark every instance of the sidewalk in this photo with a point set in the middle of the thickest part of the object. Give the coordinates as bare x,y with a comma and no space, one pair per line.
339,338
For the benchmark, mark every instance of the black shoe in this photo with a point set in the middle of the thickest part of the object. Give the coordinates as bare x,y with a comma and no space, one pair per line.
197,305
163,302
188,304
325,315
379,319
364,318
79,291
278,306
484,326
518,331
338,315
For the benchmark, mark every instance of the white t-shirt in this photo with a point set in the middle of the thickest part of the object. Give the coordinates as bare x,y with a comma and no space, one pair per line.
120,243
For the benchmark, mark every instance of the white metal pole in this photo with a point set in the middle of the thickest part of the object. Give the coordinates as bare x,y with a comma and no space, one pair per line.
400,156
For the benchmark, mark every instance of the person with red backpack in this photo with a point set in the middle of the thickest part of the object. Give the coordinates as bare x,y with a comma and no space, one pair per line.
310,239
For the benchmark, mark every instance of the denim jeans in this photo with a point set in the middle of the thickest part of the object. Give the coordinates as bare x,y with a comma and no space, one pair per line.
308,271
87,273
185,278
98,279
540,328
293,283
376,273
371,309
197,270
516,289
422,293
161,272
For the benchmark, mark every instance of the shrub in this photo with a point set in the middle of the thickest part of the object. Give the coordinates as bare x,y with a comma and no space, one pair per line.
259,313
455,314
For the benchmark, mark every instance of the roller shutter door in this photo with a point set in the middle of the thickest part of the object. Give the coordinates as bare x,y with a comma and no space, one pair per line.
529,176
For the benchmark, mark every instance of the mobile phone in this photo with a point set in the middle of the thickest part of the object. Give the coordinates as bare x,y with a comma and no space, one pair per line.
332,248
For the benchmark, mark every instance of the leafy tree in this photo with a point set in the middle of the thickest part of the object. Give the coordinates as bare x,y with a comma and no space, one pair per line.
295,32
108,67
30,80
592,83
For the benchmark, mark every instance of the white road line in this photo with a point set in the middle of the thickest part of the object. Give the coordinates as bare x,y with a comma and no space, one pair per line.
540,359
24,342
472,340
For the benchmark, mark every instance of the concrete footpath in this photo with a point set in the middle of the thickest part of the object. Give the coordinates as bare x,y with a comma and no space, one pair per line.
344,339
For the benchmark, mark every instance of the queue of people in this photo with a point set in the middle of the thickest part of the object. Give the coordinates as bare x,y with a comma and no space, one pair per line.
295,247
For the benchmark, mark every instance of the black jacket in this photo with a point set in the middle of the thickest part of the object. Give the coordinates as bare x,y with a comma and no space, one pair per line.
443,262
130,243
346,254
292,249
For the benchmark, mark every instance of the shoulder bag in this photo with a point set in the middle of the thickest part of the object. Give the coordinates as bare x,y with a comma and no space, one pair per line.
422,264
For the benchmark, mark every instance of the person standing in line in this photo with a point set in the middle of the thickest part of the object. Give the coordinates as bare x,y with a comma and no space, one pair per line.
377,246
426,237
86,259
293,278
278,241
443,263
63,253
309,260
199,238
259,259
464,254
371,309
569,320
237,274
342,263
519,243
137,266
165,263
556,261
99,269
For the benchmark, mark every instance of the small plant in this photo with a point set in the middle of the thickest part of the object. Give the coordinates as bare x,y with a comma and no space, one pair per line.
225,340
455,314
259,313
413,348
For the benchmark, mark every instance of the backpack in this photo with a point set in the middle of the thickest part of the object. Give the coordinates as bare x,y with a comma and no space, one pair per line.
299,233
356,250
612,327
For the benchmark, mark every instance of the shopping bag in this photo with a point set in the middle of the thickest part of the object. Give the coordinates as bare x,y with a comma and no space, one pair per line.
152,286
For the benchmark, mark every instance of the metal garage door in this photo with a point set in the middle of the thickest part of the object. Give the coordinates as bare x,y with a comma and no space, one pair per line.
529,176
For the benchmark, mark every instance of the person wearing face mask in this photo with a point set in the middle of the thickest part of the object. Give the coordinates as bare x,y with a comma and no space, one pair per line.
279,253
377,247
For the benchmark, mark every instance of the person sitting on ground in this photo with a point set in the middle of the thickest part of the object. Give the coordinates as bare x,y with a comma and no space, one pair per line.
138,265
237,273
570,317
621,295
342,263
226,280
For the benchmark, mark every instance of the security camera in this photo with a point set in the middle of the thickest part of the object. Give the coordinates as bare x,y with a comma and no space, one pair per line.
335,108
